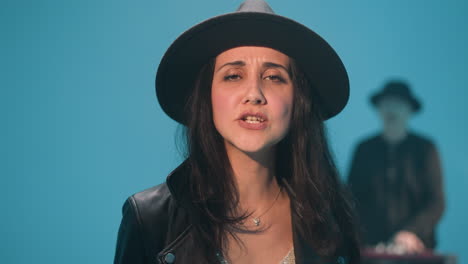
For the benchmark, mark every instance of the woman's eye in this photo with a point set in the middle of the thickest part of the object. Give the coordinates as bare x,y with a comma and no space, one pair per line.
275,78
232,77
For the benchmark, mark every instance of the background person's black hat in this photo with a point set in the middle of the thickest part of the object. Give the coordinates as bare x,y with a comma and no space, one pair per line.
253,24
400,89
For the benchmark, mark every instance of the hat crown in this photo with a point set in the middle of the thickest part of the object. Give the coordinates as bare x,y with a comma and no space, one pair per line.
255,6
400,89
397,87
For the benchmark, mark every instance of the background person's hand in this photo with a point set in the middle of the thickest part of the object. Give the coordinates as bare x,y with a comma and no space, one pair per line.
409,241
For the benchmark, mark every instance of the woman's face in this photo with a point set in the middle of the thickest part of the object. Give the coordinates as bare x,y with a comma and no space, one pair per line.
252,98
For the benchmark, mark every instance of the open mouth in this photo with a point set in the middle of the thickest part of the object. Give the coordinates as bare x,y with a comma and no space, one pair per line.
253,119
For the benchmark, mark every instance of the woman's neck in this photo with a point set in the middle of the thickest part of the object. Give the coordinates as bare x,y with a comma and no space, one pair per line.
254,174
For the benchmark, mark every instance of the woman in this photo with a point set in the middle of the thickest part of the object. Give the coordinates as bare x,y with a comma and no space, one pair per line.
259,185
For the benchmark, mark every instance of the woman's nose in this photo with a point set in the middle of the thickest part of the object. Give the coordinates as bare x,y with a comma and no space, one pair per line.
254,94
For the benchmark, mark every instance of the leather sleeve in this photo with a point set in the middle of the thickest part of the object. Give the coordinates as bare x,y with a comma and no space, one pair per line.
130,248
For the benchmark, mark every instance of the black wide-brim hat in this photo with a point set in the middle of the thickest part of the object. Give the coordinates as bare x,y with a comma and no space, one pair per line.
397,88
253,24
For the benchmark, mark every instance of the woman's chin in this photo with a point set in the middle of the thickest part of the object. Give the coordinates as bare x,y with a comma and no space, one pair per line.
252,148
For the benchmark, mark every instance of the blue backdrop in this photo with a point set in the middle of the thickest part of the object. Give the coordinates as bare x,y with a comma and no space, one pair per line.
81,129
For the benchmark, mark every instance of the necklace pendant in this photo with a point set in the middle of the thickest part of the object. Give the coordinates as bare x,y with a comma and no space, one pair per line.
256,221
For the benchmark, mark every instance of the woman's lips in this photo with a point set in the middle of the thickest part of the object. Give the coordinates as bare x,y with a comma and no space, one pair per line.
253,120
250,115
254,126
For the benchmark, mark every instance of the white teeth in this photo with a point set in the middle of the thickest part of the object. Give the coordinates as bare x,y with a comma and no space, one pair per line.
253,119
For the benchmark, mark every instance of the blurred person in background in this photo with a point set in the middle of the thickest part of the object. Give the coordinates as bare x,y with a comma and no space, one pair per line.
396,178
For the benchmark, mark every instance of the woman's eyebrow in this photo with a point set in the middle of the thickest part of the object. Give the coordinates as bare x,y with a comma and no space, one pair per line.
274,65
233,63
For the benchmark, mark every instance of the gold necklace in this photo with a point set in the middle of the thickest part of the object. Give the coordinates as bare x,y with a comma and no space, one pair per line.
256,220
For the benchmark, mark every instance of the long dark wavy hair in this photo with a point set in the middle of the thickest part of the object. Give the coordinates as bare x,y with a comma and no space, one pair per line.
304,168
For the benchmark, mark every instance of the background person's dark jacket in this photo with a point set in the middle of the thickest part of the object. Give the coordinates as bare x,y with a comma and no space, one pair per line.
397,188
155,228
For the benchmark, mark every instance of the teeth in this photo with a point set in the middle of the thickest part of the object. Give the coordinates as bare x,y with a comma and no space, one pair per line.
253,119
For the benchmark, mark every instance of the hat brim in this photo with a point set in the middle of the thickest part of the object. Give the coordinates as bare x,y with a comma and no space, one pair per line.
181,63
415,104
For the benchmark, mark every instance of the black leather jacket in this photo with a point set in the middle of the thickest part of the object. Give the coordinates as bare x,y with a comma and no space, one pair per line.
155,228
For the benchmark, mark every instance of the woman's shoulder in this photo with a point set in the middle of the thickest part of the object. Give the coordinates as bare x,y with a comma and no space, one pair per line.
146,224
149,206
161,200
155,196
162,196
